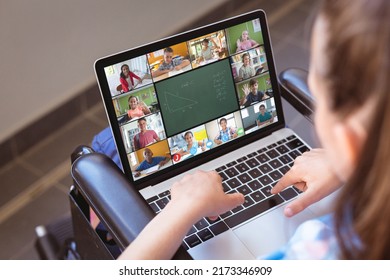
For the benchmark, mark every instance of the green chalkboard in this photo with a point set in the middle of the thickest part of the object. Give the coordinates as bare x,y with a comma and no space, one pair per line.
196,97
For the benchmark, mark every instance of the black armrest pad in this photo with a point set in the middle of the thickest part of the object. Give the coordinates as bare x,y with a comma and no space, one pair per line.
118,205
294,88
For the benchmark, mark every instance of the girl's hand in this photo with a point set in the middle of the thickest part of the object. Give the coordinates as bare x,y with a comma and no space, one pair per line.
203,191
313,174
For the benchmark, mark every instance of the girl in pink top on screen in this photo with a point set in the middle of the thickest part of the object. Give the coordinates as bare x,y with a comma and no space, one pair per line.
137,108
244,42
127,78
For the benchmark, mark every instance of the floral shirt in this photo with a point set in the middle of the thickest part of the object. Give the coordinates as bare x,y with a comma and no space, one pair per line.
313,240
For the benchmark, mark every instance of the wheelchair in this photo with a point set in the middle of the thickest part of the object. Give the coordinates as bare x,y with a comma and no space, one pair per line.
100,185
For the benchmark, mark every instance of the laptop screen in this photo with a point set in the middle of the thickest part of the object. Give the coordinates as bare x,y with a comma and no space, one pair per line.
176,102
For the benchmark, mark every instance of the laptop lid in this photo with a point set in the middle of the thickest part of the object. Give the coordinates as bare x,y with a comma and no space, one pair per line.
187,99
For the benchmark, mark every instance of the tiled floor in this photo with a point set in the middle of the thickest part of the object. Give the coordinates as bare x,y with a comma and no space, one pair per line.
34,187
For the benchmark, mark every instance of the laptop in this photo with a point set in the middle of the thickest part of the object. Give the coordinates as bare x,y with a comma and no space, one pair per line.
207,99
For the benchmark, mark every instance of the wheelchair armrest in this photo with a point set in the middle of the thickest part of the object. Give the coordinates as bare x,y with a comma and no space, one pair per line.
119,206
294,88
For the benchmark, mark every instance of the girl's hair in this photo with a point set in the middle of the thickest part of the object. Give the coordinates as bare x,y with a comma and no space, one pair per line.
222,120
188,132
121,74
244,55
246,37
357,71
132,96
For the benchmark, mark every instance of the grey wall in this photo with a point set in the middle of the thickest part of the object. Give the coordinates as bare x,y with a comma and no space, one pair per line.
48,47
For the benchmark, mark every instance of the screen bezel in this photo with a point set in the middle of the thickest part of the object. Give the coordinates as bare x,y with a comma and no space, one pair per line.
216,152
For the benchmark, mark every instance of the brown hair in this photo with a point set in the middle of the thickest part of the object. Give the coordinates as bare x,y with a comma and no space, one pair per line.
358,54
253,82
168,50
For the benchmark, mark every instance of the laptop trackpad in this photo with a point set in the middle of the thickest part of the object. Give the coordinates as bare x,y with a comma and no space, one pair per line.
225,246
271,231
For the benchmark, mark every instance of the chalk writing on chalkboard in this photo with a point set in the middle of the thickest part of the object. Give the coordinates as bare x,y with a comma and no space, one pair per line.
220,85
175,102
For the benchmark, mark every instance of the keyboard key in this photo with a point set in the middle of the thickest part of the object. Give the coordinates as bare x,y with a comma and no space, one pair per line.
226,214
230,164
242,159
242,167
232,191
218,228
221,168
151,199
166,193
265,180
255,173
201,224
237,209
265,168
254,185
252,155
185,246
273,153
192,240
284,169
154,207
162,202
303,149
244,178
231,172
257,196
288,194
253,211
252,162
225,187
285,159
294,154
205,234
296,143
262,158
233,183
223,176
271,146
291,137
275,163
244,190
248,201
282,149
276,175
267,191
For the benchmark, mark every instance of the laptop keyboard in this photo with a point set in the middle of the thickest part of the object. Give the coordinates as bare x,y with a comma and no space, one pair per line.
253,175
